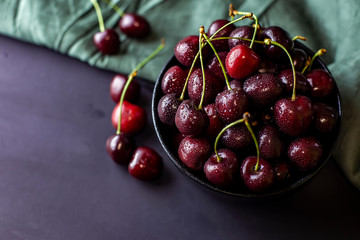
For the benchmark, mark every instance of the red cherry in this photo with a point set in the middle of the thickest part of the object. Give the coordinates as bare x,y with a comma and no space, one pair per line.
133,117
145,164
321,83
134,26
241,62
117,85
120,148
107,42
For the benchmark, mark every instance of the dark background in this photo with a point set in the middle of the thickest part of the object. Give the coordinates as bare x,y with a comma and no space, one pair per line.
57,182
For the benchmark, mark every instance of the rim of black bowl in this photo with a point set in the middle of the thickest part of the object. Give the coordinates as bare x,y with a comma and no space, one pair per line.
335,99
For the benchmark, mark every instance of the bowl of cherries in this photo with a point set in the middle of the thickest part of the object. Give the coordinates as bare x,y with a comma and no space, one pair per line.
246,111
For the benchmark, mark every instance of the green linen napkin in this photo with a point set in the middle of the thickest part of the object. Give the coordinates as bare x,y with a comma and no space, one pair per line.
68,27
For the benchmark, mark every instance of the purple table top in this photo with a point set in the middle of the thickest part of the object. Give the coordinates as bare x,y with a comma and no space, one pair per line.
57,182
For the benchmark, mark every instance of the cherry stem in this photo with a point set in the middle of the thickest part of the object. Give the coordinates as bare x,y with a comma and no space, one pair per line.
317,54
251,16
115,7
99,15
300,38
131,77
255,141
231,11
201,34
218,58
221,133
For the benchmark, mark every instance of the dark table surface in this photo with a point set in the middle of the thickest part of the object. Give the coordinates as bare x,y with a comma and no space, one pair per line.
57,182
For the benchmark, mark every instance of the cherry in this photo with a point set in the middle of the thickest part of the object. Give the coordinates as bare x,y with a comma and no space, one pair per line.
325,117
107,41
117,85
236,138
120,147
195,86
305,153
167,108
176,139
287,78
194,152
190,120
214,66
145,164
241,32
187,48
134,25
263,89
280,36
271,143
299,58
282,171
259,180
241,62
220,45
267,66
215,123
222,173
321,83
293,117
173,80
133,117
235,84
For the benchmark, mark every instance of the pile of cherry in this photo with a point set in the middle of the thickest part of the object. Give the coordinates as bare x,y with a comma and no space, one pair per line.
259,101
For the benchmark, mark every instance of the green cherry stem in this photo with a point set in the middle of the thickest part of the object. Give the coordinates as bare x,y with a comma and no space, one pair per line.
317,54
250,15
246,116
99,15
299,37
115,7
201,34
131,77
218,58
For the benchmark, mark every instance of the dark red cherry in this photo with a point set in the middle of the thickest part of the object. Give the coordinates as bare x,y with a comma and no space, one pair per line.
267,66
107,42
299,58
213,85
241,62
271,143
293,117
176,139
222,173
133,118
190,120
321,83
282,171
173,81
167,108
257,181
236,138
146,164
134,26
220,45
231,104
214,66
325,117
117,85
287,78
187,48
305,153
215,123
263,89
194,152
235,84
241,32
278,35
120,148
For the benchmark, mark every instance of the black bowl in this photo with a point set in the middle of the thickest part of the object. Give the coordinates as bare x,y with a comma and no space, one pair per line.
328,141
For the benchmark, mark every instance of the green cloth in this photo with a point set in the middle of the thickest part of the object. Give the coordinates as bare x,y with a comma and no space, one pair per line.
68,27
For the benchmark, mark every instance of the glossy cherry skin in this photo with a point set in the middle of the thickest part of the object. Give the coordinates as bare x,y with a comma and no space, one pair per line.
282,171
287,78
220,45
214,66
190,120
279,35
213,85
236,138
241,62
167,108
133,118
146,164
194,152
117,85
215,123
293,117
120,148
263,89
241,32
271,143
322,84
223,173
325,117
173,81
231,104
257,181
267,66
134,26
187,48
305,153
107,42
